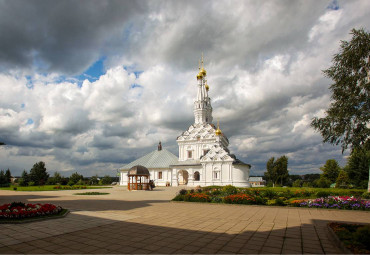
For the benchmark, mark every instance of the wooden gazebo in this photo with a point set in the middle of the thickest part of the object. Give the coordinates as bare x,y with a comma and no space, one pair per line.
138,178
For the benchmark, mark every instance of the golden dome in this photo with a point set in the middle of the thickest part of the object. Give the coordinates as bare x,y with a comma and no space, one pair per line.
203,72
199,76
218,130
207,87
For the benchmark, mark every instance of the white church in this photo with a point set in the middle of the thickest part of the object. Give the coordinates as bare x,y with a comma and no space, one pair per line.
204,158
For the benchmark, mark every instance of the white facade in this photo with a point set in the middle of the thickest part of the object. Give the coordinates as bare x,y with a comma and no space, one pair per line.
204,158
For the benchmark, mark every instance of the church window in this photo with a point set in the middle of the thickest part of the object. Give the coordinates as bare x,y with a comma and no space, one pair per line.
198,138
190,154
196,176
160,175
216,175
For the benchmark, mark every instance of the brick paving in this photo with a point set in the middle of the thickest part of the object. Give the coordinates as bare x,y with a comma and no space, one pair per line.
145,222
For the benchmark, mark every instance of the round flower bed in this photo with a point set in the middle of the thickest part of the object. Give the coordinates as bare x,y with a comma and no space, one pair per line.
338,202
19,210
240,199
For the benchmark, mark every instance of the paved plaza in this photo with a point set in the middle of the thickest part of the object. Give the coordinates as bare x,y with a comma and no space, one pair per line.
146,222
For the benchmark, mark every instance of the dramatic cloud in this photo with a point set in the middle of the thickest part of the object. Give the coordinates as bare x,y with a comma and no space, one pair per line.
263,59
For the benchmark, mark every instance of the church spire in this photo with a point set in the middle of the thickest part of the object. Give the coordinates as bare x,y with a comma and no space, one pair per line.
202,104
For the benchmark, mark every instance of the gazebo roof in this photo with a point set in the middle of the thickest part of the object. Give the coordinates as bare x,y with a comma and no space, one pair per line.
138,170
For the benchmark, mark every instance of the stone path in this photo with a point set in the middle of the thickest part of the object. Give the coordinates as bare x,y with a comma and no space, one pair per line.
145,222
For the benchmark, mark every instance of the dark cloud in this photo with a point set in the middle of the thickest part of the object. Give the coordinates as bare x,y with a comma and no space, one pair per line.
63,36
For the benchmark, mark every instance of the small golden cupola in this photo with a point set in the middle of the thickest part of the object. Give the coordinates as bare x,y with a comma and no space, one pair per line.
218,130
207,87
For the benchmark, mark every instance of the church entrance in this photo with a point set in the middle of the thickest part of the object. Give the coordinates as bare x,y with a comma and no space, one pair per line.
182,177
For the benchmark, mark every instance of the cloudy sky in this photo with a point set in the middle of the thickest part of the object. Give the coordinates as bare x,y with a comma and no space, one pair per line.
88,86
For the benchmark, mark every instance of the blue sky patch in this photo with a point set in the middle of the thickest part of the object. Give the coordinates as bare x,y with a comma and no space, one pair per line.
93,72
29,121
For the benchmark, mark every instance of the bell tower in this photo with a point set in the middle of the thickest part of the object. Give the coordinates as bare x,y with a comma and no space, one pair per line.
202,104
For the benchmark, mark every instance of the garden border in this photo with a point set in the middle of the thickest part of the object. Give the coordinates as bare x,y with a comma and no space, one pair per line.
41,218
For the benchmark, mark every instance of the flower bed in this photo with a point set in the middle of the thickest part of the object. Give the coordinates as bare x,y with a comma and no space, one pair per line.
197,197
336,202
352,236
240,199
19,210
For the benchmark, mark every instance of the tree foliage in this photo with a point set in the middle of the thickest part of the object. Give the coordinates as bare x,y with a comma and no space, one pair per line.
348,116
24,179
358,167
342,180
106,180
38,174
277,171
331,170
75,178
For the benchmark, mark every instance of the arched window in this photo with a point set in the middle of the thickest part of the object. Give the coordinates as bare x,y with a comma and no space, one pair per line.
196,176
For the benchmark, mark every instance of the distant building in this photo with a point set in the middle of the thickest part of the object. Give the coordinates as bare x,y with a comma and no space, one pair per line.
257,182
204,158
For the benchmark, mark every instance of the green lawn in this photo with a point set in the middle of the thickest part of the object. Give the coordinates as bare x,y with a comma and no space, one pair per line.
51,187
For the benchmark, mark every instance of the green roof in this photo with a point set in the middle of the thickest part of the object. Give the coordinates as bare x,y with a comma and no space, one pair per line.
155,159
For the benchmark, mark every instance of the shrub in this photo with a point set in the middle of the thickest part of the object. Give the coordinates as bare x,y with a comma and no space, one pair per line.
239,199
302,193
183,192
362,235
229,190
22,182
31,184
322,194
215,192
178,197
216,200
198,190
279,201
366,195
14,188
269,193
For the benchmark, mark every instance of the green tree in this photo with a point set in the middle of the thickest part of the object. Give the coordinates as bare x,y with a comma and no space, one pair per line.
346,120
94,180
277,171
106,180
323,182
24,179
342,180
3,179
38,174
358,167
331,170
75,177
297,183
8,176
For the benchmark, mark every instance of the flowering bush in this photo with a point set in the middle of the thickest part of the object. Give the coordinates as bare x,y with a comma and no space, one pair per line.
197,197
240,199
20,210
339,202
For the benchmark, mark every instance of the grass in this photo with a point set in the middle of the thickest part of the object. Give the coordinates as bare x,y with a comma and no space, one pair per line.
61,214
91,193
50,188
